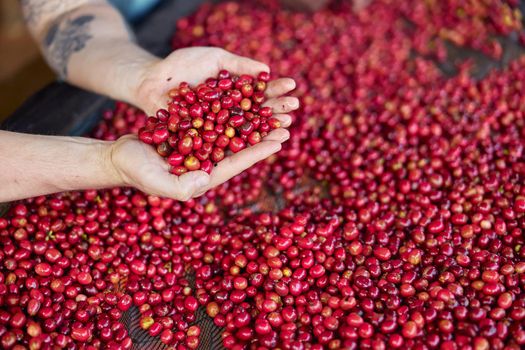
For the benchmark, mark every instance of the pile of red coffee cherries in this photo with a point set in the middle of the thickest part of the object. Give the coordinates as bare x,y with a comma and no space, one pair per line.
201,123
393,218
472,23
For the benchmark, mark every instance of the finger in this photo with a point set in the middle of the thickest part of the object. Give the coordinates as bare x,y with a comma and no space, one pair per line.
285,119
151,99
279,135
159,103
282,104
279,87
154,107
237,163
242,65
184,187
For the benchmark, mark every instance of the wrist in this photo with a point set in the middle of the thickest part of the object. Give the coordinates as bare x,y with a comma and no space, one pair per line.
108,164
133,74
95,168
82,163
124,67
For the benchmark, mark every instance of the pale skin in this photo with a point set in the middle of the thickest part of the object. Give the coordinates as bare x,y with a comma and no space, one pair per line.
88,44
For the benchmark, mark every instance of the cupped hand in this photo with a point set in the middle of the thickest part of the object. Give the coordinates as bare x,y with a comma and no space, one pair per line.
138,164
192,65
196,64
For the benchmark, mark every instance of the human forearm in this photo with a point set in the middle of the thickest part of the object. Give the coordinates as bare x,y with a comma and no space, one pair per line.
88,44
35,165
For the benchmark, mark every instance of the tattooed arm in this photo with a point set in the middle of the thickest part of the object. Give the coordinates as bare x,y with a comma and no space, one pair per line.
88,43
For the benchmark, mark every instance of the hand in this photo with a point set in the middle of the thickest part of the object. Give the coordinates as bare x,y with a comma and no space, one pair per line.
140,166
194,65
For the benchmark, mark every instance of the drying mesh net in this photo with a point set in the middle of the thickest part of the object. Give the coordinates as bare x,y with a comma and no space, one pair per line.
210,337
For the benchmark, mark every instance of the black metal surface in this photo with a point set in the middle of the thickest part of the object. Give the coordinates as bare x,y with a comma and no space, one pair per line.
210,337
140,338
211,334
482,64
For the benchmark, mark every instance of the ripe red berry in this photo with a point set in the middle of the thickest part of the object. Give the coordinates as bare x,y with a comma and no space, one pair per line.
209,116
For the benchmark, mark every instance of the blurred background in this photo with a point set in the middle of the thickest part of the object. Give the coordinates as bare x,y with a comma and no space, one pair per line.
22,69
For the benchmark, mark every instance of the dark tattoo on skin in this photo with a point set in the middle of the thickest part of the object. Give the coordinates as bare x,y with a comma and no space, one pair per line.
64,38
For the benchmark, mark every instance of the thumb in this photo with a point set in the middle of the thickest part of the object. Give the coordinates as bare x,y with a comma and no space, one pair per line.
154,104
152,96
189,184
243,65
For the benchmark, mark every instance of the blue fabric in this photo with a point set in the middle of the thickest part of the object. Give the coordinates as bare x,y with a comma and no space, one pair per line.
134,9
